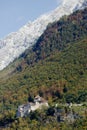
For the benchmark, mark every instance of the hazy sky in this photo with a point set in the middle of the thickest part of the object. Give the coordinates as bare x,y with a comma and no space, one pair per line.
15,13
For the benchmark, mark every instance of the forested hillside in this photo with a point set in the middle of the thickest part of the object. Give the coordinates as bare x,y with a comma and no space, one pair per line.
55,68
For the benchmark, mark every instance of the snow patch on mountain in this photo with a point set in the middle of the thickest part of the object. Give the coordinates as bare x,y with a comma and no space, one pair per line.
17,42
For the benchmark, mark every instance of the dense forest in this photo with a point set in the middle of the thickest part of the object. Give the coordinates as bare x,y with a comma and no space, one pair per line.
56,69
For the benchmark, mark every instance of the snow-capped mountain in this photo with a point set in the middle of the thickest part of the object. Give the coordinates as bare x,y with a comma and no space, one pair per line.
16,43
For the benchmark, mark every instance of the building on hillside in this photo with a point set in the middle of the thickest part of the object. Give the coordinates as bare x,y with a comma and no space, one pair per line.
25,109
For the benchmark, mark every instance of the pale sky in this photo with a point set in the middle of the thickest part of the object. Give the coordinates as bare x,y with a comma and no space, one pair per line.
16,13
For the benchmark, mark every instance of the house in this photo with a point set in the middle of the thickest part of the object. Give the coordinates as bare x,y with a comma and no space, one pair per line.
25,109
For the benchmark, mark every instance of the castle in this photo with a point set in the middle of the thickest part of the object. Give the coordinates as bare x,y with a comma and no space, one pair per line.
25,109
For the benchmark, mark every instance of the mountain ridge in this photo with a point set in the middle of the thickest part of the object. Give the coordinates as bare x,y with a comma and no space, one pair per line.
58,35
16,43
